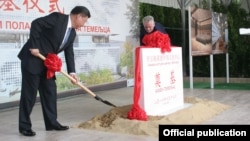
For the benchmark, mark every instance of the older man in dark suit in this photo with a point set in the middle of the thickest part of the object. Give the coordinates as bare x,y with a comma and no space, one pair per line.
149,26
47,35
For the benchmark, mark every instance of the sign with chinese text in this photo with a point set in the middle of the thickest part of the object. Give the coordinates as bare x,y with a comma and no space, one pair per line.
16,16
162,80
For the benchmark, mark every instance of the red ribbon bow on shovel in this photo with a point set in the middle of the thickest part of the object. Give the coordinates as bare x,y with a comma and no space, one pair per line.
53,64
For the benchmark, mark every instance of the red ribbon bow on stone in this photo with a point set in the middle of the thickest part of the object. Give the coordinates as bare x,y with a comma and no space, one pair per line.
157,39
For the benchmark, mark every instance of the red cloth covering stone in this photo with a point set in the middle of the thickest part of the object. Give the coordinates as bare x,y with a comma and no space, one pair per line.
153,40
53,64
136,113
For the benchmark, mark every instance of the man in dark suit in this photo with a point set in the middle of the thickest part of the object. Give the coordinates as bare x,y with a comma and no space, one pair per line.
47,35
149,26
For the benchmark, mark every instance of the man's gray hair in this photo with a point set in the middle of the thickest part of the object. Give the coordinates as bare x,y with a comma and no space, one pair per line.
147,19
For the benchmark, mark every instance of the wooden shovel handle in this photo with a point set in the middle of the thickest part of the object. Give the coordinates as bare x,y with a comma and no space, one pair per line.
71,78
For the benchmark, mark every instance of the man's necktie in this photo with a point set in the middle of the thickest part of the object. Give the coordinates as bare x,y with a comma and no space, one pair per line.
66,37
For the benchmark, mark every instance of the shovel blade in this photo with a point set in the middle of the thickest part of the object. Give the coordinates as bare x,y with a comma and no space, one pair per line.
104,101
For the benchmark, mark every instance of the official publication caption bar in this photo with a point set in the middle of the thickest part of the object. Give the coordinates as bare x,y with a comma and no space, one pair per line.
200,132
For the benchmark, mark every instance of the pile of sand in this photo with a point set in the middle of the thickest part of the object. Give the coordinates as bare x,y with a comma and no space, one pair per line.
116,119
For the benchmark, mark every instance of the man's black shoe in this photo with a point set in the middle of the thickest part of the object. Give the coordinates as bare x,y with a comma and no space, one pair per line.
58,128
27,132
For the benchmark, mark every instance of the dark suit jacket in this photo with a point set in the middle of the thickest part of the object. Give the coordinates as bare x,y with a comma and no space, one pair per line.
158,27
46,34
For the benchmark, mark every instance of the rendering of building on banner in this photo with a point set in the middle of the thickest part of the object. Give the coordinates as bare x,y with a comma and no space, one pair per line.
98,46
208,36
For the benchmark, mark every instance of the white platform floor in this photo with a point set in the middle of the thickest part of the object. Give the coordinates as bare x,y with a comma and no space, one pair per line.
77,109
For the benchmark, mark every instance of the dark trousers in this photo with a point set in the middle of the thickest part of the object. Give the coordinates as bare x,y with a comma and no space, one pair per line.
31,84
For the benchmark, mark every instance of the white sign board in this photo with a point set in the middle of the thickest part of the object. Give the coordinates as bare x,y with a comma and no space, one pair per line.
162,80
244,31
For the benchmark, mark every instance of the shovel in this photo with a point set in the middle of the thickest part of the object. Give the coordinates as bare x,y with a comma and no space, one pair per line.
82,86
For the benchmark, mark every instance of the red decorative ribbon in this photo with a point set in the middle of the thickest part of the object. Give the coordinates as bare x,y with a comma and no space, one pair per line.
136,112
155,40
53,64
